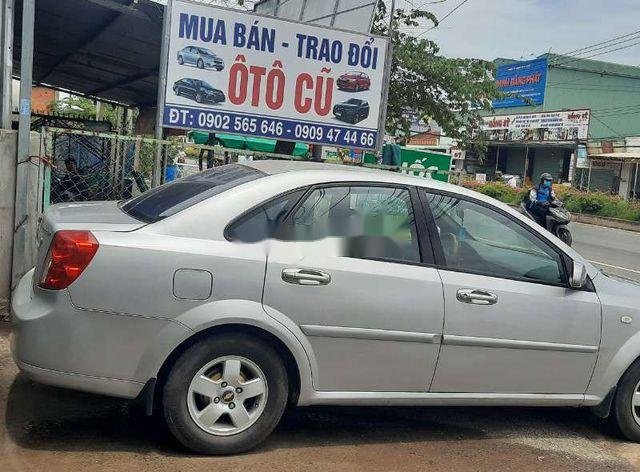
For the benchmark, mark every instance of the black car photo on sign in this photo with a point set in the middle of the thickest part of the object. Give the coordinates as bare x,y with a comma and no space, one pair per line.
352,110
198,90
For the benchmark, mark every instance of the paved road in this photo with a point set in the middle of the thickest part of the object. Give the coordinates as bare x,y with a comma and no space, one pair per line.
45,428
613,250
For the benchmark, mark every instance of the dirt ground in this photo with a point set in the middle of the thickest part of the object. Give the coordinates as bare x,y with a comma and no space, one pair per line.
45,428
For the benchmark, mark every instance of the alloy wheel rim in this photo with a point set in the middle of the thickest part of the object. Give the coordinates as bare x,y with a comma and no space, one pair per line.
227,395
635,403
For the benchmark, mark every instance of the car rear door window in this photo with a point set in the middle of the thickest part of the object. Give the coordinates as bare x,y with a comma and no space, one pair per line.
376,222
175,196
481,240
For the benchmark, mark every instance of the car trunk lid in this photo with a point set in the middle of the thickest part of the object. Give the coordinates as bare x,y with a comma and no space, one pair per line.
92,216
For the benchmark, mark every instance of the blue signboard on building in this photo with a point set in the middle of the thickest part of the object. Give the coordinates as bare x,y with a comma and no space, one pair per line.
524,83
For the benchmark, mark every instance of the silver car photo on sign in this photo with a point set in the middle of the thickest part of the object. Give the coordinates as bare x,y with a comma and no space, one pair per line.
200,57
221,298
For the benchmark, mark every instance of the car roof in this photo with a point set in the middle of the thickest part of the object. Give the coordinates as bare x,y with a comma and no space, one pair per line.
329,172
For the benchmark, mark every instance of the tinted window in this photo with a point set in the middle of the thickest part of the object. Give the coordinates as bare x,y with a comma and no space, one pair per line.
175,196
375,222
262,223
478,239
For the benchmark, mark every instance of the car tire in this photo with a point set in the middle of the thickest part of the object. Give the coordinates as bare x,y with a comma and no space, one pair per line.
623,406
219,68
180,60
200,64
565,235
177,391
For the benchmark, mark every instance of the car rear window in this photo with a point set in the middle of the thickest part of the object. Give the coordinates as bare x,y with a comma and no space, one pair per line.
169,199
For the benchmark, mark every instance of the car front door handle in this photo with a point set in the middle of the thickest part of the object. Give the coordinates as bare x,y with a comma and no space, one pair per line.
305,277
476,297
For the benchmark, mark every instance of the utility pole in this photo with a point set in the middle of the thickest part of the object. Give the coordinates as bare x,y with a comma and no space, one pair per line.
6,63
21,214
162,86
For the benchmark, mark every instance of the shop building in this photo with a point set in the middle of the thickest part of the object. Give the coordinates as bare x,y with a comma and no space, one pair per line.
557,115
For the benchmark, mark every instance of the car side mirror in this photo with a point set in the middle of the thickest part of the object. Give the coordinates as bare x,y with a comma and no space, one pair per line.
578,277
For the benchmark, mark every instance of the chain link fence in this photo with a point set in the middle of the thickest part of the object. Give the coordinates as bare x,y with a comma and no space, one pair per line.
92,166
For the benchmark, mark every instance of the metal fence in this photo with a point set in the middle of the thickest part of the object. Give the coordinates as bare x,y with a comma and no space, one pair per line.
89,166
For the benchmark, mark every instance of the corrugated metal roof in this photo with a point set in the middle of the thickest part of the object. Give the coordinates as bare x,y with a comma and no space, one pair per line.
108,49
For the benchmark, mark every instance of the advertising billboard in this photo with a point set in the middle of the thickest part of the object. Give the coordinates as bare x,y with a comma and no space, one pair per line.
524,82
552,126
242,73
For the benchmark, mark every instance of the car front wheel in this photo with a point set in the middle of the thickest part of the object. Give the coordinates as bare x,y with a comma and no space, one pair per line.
626,406
200,64
225,394
180,60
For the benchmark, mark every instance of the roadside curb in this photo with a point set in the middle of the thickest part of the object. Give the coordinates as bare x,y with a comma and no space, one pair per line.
615,223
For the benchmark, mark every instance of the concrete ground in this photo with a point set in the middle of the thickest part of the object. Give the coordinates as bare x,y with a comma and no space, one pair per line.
57,430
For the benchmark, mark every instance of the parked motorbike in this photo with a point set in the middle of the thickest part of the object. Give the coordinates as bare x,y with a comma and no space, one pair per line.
557,219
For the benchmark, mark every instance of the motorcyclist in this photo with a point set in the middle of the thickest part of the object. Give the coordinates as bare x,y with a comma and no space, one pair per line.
540,198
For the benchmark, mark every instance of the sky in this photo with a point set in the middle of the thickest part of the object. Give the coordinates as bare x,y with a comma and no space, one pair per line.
523,29
488,29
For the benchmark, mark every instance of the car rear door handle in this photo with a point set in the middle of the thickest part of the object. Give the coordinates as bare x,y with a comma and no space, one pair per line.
305,277
476,297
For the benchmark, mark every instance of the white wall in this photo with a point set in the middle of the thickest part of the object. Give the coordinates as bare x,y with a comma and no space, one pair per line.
8,154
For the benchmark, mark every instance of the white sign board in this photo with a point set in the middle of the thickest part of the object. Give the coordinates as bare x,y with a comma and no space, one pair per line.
242,73
546,126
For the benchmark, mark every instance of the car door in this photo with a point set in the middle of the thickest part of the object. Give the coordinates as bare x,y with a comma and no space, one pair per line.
190,56
349,270
512,323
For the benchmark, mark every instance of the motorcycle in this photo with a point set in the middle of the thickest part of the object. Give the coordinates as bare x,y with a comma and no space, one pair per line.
557,219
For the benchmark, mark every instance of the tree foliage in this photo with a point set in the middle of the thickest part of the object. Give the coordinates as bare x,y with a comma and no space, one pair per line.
450,91
82,106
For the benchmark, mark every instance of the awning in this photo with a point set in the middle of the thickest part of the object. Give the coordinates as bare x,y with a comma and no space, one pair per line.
616,157
108,49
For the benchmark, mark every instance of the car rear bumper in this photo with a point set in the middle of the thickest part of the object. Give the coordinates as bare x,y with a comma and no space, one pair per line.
56,343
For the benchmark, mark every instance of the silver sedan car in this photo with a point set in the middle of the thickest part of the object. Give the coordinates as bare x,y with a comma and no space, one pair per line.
220,298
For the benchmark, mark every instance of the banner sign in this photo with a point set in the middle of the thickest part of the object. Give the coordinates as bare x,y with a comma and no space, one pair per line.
547,126
524,82
243,73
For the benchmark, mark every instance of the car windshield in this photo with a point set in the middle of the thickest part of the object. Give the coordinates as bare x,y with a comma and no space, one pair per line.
353,101
205,52
178,195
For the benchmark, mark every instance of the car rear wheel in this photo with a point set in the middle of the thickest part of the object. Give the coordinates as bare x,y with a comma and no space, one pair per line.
626,404
225,394
200,64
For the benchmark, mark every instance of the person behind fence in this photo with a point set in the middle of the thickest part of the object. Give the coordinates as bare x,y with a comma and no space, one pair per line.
72,183
211,141
540,198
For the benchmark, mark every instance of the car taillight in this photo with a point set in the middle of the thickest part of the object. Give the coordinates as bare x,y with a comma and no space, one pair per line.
69,254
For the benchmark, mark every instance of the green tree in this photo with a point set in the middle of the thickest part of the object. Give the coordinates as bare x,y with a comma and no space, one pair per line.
450,91
83,106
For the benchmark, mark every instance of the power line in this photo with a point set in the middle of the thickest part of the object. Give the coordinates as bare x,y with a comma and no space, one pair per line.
574,59
444,17
602,42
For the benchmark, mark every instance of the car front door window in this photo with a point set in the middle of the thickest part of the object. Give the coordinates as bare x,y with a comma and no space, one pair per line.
478,239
